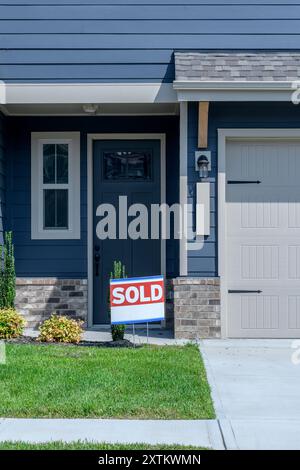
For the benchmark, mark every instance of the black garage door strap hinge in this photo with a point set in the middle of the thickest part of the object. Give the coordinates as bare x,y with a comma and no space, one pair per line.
244,291
243,182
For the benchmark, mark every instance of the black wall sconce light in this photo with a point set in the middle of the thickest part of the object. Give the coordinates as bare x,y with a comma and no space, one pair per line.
203,164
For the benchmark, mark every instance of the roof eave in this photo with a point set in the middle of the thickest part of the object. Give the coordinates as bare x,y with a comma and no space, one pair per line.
192,90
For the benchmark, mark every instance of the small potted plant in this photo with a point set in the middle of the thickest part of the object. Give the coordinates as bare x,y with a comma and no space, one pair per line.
117,331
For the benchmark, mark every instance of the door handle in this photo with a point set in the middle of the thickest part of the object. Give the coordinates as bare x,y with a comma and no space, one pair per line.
243,182
97,260
244,291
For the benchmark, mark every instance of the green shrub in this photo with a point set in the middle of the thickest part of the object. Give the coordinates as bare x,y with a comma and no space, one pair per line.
60,329
11,323
7,272
119,272
117,332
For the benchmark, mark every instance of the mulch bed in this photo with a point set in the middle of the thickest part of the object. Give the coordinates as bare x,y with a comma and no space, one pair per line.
98,344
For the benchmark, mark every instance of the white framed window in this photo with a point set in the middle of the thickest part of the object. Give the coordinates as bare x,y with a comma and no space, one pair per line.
55,185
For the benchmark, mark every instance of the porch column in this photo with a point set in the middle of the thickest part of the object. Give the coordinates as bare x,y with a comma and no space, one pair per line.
183,188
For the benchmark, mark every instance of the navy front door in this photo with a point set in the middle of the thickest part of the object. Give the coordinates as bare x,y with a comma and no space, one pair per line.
128,168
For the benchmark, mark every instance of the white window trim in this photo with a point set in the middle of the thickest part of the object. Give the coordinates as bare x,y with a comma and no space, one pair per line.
37,226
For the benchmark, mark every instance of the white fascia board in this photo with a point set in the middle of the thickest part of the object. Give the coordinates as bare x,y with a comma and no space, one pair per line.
235,91
80,93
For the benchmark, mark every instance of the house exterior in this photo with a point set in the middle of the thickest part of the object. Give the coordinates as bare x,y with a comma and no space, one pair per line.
105,99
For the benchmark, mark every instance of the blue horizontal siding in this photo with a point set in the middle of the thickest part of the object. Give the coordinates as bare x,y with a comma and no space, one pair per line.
104,72
55,56
204,262
148,41
153,27
132,40
68,258
147,11
146,2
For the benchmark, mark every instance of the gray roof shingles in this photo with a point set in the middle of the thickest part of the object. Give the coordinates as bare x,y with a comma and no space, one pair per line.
208,66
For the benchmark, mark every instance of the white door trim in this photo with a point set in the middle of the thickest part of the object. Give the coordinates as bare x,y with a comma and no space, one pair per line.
223,136
90,140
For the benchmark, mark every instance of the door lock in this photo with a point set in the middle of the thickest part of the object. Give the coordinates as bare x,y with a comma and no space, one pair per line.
97,259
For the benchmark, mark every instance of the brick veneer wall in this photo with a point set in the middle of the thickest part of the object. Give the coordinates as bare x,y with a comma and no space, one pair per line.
197,308
37,299
192,304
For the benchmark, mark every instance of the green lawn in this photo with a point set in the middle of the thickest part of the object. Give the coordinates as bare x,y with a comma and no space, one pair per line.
88,446
148,382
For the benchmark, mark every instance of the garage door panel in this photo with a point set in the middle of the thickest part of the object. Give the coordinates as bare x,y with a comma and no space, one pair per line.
254,261
259,262
263,239
262,208
254,312
294,311
293,209
264,161
264,315
251,208
293,261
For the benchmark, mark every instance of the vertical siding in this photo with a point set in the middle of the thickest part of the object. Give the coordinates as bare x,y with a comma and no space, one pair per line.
132,40
204,262
68,258
2,176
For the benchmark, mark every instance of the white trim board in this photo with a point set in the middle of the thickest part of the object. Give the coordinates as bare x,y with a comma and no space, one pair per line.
90,140
225,135
74,93
190,90
183,185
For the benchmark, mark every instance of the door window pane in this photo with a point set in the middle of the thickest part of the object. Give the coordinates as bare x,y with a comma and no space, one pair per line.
56,209
127,166
114,166
139,166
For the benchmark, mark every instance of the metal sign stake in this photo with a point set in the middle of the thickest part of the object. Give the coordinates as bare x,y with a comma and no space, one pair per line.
133,334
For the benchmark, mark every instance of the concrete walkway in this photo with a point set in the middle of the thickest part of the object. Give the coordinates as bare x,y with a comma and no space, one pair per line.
255,388
200,433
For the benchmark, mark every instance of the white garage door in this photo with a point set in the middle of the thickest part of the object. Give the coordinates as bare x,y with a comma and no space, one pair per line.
263,239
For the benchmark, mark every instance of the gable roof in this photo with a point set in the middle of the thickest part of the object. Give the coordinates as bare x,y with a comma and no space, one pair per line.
237,66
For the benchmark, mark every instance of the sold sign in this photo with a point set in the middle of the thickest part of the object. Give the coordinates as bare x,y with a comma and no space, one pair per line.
137,300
